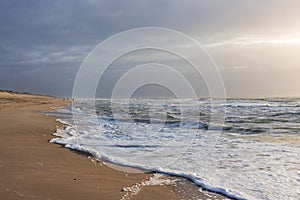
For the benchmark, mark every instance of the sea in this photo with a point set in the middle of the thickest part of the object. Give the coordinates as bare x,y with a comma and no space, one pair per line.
241,148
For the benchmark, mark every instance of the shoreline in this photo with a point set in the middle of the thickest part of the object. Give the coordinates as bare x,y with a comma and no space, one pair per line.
32,167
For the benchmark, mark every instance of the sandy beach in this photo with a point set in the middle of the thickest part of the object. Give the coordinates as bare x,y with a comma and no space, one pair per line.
33,168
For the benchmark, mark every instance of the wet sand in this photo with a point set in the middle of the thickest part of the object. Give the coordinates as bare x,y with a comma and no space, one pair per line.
33,168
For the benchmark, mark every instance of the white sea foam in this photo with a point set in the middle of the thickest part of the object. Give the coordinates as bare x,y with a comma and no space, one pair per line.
227,162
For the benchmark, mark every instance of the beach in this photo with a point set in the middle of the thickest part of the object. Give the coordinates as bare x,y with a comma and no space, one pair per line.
33,168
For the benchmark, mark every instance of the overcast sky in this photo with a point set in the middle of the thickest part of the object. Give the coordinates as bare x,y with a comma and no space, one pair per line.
255,43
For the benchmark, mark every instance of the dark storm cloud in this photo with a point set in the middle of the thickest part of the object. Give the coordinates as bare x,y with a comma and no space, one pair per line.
42,43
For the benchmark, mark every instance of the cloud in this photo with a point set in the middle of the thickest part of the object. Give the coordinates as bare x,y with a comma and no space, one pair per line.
257,41
55,36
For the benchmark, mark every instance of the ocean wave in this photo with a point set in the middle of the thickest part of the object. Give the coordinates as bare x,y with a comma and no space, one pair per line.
157,136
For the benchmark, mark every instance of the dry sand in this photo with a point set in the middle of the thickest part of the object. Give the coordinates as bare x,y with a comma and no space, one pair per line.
33,168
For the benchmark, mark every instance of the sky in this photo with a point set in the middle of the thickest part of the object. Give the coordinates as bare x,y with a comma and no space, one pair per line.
255,44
